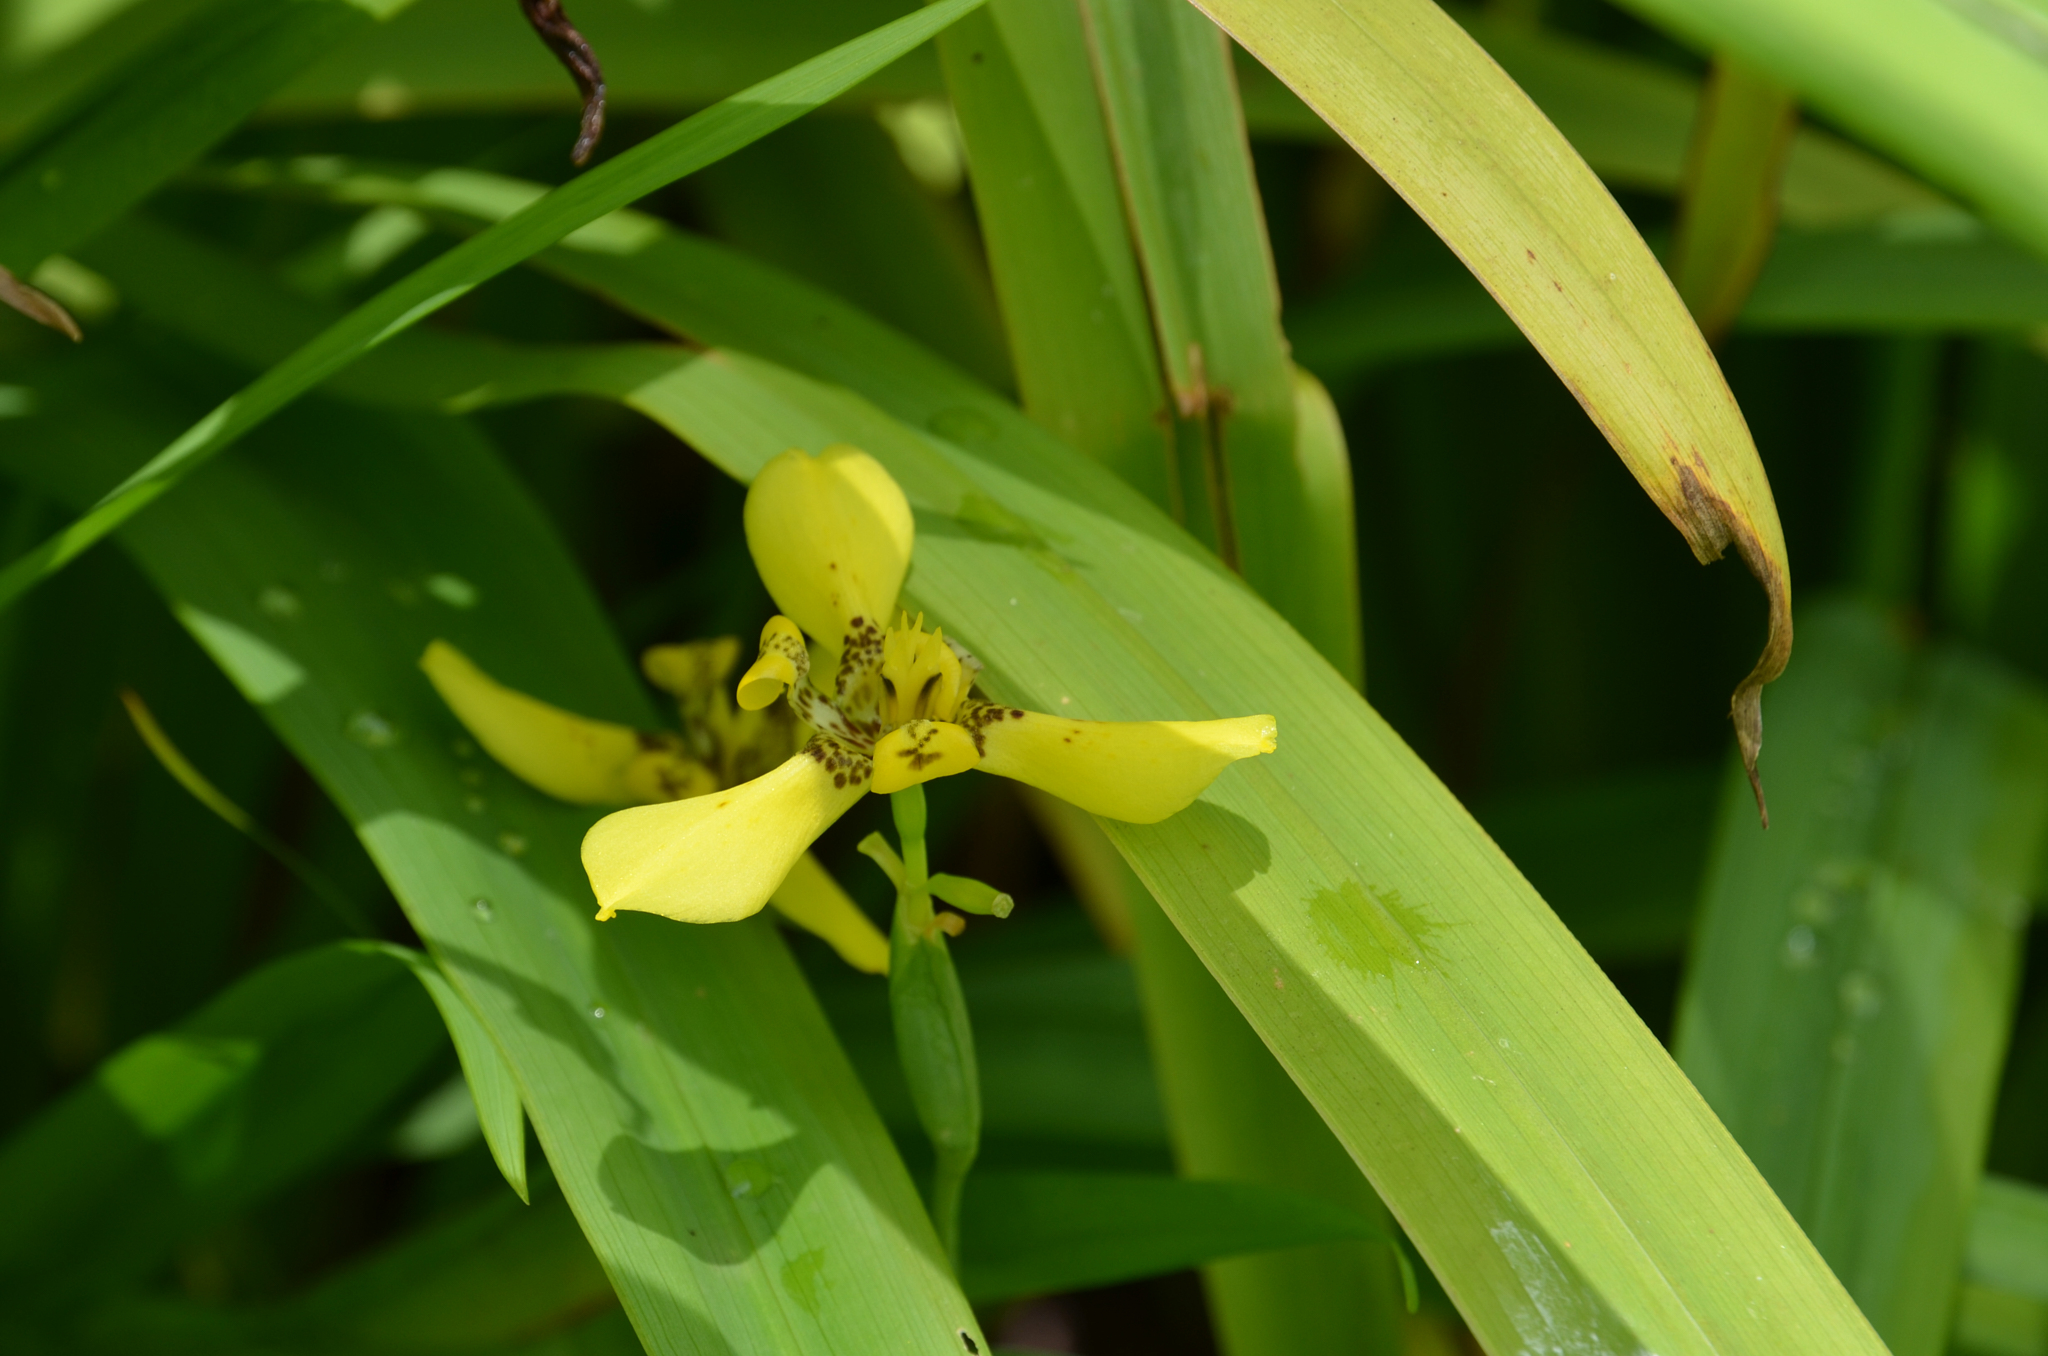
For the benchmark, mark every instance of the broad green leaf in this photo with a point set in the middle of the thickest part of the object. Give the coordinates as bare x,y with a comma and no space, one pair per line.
721,1158
1171,107
157,114
1374,937
1032,1233
1938,86
1846,1008
492,1084
1044,180
1448,130
279,1075
536,224
1728,207
1234,1112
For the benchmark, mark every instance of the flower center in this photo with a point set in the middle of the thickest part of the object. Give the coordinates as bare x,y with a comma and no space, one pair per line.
920,675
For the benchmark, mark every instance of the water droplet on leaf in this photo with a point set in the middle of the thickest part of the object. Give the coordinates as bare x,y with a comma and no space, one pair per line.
279,602
371,730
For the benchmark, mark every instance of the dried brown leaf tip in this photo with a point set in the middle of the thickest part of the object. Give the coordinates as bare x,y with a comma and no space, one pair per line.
37,305
572,49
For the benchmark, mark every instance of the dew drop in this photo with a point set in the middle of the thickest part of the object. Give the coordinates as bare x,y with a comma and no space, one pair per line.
1131,615
1799,947
747,1177
483,909
471,776
462,748
371,730
513,843
402,593
279,602
473,804
598,1012
452,589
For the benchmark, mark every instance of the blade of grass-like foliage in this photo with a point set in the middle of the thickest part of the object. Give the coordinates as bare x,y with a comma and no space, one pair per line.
1031,1233
1453,135
461,56
1939,86
1847,1005
1503,1098
1044,182
1188,186
280,1074
686,147
154,116
1632,119
831,200
1728,207
492,1084
705,1128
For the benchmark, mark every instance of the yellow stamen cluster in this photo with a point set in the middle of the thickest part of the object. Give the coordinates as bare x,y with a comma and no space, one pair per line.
920,675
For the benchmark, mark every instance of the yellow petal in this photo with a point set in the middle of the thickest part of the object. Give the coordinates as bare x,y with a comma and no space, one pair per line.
812,900
831,536
719,857
920,751
570,757
1138,771
783,663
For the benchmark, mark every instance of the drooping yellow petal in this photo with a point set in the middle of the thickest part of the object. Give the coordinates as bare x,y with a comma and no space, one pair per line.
570,757
920,751
831,536
1138,771
693,670
812,900
783,663
719,857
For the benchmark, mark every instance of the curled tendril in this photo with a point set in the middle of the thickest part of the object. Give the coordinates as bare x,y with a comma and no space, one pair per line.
572,49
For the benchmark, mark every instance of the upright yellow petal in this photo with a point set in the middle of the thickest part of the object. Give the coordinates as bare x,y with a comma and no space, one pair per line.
831,536
570,757
920,751
719,857
812,900
1138,771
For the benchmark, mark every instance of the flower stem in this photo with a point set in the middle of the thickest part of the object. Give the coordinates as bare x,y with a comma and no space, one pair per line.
934,1042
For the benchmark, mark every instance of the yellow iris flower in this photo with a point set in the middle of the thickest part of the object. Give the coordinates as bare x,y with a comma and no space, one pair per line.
832,537
594,762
